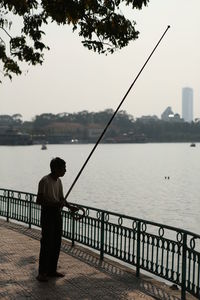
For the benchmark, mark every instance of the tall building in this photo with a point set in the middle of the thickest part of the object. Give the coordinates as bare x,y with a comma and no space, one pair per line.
187,104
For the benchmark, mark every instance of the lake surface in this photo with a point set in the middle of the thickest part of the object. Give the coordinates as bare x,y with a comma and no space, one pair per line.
130,179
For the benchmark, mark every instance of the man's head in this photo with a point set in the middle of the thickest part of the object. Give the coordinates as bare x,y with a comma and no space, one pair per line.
58,167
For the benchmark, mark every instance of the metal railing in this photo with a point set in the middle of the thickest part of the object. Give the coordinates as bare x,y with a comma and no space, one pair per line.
168,252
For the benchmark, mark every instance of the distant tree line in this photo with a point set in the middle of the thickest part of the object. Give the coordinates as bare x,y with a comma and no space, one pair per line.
86,126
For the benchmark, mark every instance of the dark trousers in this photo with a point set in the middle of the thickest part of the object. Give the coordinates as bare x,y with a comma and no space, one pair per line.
51,223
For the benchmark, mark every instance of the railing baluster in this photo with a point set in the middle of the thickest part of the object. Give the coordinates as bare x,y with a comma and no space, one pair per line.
8,206
73,228
183,281
102,235
138,249
198,278
30,211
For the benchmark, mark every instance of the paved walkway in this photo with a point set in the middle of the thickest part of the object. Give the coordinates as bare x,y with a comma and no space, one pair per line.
86,276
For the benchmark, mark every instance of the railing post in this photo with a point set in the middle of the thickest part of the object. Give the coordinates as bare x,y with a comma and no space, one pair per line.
102,236
30,211
184,253
138,249
8,206
73,229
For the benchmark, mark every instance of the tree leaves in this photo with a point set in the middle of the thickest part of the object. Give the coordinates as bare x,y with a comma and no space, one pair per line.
103,28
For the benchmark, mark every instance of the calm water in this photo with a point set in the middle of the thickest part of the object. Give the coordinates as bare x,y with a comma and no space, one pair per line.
128,178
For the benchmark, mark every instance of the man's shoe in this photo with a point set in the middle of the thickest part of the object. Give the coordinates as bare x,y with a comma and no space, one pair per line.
56,274
42,277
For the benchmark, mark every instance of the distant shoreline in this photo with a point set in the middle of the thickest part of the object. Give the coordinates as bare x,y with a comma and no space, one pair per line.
105,143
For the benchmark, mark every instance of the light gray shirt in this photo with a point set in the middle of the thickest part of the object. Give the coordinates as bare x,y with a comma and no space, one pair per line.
51,189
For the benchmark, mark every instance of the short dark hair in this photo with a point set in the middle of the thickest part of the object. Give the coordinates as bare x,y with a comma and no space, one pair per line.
56,163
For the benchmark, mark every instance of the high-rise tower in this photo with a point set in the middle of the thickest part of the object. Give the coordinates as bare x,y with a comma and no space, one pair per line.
187,104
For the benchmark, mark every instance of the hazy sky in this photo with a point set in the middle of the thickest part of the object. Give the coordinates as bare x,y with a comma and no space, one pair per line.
73,78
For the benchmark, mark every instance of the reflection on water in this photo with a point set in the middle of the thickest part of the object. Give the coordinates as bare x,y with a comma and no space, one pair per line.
131,178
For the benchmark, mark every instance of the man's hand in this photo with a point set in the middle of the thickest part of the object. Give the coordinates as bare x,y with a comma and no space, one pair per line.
72,208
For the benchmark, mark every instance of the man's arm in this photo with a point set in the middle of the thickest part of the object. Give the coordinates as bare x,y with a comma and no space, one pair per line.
64,202
46,202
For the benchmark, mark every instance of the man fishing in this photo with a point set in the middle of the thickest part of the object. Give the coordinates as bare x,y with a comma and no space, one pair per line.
50,197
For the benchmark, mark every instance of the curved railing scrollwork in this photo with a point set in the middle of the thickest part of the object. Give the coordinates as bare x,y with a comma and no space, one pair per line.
168,252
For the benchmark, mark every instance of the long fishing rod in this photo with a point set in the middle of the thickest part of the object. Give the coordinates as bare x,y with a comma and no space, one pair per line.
109,122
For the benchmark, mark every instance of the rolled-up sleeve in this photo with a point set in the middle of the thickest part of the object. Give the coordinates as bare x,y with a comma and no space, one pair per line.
41,187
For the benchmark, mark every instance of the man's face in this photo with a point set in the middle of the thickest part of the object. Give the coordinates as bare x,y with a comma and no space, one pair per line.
60,172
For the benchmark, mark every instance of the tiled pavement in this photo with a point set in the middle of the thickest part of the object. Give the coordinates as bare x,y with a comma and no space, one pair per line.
86,276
